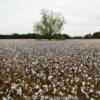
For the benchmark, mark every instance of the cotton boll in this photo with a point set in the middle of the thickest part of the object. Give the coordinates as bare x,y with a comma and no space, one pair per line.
19,91
73,90
54,90
37,86
82,90
83,83
50,77
61,93
4,98
92,99
98,92
13,86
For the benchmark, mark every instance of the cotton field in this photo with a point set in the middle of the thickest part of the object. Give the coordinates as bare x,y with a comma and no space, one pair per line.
49,70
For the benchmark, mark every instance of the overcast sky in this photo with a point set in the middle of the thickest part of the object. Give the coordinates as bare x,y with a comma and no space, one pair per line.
82,16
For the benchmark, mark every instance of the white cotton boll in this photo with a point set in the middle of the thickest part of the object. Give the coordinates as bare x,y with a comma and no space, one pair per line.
50,77
61,94
33,72
25,97
4,98
76,86
1,92
54,90
56,66
67,80
81,65
34,97
75,69
62,71
92,86
19,91
46,97
99,79
44,77
35,62
68,56
56,60
73,90
95,63
70,75
98,92
37,87
8,69
8,97
51,99
89,78
54,85
64,88
71,81
76,79
80,70
99,64
88,83
13,86
82,90
45,86
45,65
92,99
40,91
27,70
58,83
84,71
91,90
26,86
83,83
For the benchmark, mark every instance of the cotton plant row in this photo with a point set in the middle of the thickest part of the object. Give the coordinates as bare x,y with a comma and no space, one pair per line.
55,70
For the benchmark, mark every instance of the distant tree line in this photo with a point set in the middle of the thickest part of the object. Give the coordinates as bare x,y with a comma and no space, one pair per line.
57,36
95,35
34,36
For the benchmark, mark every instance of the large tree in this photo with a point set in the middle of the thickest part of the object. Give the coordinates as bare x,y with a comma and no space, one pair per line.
50,23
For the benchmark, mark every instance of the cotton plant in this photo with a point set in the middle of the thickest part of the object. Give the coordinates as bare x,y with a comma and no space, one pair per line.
49,70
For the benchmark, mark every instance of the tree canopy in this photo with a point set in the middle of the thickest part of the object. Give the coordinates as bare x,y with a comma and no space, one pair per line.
50,23
96,35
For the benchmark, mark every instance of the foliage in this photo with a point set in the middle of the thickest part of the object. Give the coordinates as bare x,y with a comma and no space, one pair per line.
60,36
96,35
50,23
34,36
77,37
56,36
88,36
